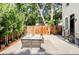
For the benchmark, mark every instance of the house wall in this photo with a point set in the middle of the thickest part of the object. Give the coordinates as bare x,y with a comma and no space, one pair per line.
72,8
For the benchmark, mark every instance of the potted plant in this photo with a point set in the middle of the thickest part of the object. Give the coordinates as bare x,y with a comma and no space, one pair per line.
50,26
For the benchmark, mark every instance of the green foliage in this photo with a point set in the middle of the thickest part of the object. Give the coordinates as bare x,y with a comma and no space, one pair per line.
32,15
7,18
55,21
50,22
20,22
13,17
11,20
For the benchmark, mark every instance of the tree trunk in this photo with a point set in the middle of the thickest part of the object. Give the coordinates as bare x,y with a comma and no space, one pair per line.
51,11
41,13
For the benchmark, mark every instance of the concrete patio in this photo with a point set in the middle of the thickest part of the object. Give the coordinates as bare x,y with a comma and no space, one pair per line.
53,44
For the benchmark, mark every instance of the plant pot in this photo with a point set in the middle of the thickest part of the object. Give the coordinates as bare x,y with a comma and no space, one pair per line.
17,35
13,36
72,39
51,29
2,40
77,41
10,37
59,29
6,41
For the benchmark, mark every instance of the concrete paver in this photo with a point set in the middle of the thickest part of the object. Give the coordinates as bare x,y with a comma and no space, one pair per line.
61,47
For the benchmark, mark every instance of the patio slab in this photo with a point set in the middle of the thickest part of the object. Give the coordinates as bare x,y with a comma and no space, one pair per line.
53,44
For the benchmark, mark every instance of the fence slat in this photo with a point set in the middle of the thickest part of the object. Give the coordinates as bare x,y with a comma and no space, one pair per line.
39,30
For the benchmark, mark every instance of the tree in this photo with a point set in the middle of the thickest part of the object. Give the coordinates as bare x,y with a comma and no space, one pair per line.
41,12
57,12
11,19
8,20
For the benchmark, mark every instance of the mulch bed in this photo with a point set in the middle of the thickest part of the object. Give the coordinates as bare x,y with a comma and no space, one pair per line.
10,44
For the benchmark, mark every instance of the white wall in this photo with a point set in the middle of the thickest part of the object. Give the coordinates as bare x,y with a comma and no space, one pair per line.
73,8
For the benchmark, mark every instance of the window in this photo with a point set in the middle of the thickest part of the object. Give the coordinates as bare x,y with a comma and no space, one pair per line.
66,23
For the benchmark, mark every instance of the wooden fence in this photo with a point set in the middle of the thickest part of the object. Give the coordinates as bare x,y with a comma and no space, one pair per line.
39,30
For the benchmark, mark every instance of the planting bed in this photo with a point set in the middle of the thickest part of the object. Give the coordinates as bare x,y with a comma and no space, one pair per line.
10,44
9,41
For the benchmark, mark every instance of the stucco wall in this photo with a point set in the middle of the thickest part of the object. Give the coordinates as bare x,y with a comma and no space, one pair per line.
73,8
